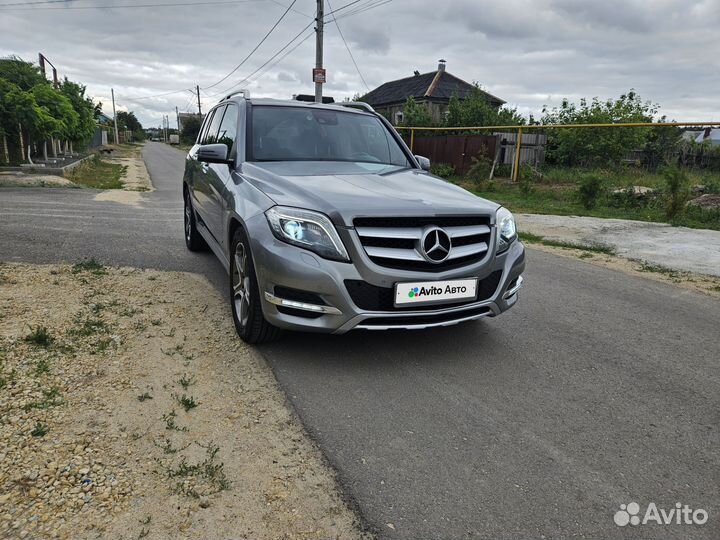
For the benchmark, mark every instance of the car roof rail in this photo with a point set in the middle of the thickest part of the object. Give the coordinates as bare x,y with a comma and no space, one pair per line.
244,91
357,105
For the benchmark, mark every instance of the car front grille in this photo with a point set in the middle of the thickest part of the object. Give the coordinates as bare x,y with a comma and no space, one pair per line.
395,242
373,298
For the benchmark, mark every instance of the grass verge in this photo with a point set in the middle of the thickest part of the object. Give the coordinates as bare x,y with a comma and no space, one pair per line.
98,173
595,248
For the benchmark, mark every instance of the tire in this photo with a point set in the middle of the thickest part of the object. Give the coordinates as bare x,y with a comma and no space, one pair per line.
193,239
250,322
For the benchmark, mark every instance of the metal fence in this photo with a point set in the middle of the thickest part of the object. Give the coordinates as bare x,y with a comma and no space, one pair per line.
519,133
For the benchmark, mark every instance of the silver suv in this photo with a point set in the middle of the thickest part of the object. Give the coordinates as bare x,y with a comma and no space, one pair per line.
326,222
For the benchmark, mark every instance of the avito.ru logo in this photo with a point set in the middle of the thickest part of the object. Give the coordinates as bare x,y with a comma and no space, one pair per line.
680,515
431,291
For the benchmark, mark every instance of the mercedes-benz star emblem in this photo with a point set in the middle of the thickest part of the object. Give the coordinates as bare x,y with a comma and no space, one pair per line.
435,245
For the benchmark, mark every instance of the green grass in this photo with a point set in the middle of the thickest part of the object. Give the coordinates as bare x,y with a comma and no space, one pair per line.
51,398
90,265
88,326
98,173
187,402
42,367
594,248
40,336
562,200
186,381
170,423
208,469
40,430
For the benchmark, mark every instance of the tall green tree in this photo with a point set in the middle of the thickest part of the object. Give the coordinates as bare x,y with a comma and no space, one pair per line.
190,129
23,74
60,109
476,110
85,109
600,146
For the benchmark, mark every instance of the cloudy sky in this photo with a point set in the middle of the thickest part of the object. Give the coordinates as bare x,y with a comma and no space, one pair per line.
528,52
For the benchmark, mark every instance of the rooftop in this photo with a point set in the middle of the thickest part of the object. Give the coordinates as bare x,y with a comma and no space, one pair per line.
435,85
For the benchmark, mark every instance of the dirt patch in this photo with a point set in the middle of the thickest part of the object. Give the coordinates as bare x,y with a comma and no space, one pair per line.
136,177
21,179
709,285
680,248
129,409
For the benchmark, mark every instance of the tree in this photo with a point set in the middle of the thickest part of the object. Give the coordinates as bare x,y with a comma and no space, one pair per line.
190,129
476,110
24,75
128,121
415,114
601,146
85,109
63,121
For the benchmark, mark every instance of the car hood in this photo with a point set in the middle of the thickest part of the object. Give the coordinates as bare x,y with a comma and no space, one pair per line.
344,191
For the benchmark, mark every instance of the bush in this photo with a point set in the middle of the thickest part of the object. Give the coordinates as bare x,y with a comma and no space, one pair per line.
676,191
590,190
443,170
190,129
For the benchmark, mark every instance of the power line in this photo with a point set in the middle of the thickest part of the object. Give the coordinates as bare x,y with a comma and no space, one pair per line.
348,47
160,95
363,8
278,53
273,27
276,62
343,7
120,6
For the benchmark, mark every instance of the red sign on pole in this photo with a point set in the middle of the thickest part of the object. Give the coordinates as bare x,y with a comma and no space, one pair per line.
319,75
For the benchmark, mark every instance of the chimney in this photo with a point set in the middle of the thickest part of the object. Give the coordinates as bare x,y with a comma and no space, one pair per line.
441,65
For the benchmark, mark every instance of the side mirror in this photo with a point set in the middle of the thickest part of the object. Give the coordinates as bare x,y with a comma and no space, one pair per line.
213,153
423,162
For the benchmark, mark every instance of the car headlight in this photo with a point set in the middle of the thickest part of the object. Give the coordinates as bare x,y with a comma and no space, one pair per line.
307,229
506,229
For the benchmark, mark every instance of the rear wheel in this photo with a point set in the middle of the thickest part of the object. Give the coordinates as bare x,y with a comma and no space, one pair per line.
193,239
247,312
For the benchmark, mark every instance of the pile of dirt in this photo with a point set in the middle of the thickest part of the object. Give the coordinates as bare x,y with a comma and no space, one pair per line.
129,409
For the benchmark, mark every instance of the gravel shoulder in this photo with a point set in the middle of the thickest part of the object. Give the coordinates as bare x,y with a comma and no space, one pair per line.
21,179
123,417
676,248
709,285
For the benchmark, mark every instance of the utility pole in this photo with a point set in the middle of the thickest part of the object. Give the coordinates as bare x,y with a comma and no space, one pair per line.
197,89
117,138
319,72
177,117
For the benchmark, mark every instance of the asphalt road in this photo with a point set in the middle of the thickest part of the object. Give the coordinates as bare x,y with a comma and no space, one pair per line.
598,389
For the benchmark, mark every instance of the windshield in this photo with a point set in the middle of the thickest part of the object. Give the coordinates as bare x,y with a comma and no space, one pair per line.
306,134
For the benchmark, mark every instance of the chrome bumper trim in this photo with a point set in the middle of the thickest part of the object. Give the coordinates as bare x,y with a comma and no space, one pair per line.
315,308
422,326
511,292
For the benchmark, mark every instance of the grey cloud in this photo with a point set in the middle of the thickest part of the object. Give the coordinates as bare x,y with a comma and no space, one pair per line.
528,52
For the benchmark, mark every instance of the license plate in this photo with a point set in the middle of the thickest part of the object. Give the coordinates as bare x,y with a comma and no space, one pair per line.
435,292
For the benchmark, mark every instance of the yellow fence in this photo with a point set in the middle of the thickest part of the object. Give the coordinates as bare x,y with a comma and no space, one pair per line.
520,129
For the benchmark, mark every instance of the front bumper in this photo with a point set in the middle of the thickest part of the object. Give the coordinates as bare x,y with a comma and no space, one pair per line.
280,265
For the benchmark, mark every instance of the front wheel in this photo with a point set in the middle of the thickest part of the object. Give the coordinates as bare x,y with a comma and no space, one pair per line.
250,322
